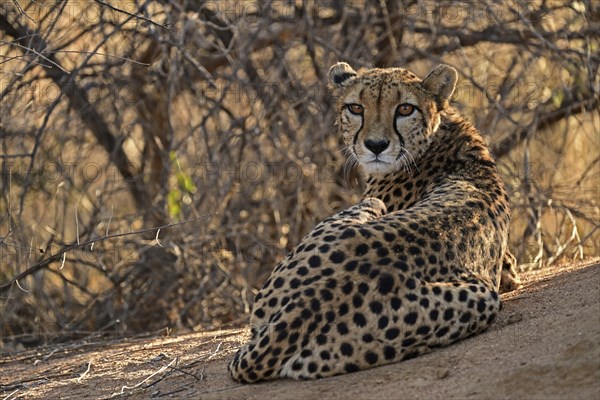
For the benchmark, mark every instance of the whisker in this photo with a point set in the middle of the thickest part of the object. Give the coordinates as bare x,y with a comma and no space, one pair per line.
350,163
407,161
412,160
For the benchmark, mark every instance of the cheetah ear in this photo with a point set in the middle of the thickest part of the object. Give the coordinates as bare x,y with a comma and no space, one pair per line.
441,82
340,74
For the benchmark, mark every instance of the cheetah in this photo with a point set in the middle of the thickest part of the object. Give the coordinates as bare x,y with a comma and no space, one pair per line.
416,265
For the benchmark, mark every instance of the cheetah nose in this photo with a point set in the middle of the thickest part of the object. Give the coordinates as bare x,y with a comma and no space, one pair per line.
377,146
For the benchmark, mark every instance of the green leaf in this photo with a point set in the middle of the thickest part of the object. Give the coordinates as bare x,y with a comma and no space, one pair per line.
174,203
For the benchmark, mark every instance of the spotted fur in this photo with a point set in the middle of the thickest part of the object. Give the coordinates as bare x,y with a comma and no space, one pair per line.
416,265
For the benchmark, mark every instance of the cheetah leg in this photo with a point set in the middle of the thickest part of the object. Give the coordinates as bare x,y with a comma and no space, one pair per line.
264,357
412,319
257,360
454,311
509,278
368,209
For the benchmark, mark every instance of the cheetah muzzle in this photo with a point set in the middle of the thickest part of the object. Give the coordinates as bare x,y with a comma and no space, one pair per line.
414,266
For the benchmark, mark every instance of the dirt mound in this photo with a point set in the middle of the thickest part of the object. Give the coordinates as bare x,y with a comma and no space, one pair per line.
546,344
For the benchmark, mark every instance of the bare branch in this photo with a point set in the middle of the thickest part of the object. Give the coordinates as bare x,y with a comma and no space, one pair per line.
571,108
78,100
47,261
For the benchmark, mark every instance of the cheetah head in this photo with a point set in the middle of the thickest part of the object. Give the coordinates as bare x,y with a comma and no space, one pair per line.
388,116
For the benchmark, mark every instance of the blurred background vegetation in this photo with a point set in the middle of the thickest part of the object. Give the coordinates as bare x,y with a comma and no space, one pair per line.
211,121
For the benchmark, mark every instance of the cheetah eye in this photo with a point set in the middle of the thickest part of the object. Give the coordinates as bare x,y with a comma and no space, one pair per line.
404,110
356,109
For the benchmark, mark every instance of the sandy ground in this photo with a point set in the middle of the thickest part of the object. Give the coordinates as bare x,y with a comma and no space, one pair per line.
545,345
